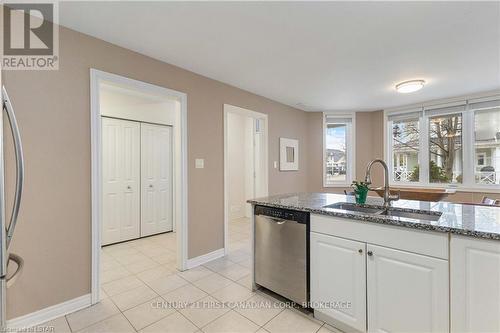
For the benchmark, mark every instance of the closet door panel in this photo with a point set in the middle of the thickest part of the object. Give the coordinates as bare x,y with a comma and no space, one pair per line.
156,160
164,135
149,180
130,223
111,180
120,150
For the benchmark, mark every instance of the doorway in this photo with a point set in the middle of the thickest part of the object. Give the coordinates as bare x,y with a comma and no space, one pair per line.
139,181
137,172
245,174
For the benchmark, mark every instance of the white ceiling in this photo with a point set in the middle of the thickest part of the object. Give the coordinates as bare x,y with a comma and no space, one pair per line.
312,55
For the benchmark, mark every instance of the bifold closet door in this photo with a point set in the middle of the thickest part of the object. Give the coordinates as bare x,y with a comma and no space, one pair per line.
121,179
156,179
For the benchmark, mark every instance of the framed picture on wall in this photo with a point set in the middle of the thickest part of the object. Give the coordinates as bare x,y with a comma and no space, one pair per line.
289,154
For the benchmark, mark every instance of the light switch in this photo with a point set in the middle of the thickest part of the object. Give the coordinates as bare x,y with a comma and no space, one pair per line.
276,164
199,163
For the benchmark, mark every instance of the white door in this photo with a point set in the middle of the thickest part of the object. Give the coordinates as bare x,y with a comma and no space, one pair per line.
407,292
475,284
156,175
338,281
121,175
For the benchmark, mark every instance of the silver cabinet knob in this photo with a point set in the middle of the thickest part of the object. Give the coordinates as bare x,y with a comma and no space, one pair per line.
150,185
129,187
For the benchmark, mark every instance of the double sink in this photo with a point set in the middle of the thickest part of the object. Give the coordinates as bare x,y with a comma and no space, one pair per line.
390,212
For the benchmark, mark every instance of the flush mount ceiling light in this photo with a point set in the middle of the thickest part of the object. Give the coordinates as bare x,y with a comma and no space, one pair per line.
410,86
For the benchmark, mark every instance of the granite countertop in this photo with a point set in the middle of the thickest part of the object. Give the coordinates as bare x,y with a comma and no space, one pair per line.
468,220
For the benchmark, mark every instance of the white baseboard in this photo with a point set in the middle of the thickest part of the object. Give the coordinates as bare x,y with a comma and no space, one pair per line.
200,260
52,312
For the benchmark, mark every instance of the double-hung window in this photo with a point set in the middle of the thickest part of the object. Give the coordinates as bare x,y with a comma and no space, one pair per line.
486,141
338,149
455,144
404,146
445,138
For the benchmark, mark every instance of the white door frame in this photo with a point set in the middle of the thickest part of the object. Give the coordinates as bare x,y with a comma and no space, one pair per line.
180,189
255,115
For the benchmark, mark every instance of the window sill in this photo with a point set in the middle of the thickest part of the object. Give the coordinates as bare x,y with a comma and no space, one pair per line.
337,185
483,189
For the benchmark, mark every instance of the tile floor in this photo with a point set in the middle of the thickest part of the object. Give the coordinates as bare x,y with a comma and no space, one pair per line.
143,292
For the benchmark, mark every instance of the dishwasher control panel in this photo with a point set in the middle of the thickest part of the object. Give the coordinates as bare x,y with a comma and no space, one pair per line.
281,213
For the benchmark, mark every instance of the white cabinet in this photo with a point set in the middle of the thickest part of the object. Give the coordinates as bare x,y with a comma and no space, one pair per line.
407,292
156,177
137,180
475,286
338,281
121,179
395,279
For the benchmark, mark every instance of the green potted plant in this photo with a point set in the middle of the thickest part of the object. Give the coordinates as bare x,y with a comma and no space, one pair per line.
360,191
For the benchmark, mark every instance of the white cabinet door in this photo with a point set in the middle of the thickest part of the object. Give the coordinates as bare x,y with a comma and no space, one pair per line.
475,285
121,175
407,292
156,174
338,281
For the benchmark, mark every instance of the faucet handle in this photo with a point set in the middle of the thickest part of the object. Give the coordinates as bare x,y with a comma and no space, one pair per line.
395,197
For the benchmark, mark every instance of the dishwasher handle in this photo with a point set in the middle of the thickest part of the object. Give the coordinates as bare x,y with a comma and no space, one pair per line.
277,221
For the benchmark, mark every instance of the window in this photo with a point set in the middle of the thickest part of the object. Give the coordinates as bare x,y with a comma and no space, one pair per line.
445,149
405,147
487,146
480,159
455,144
338,150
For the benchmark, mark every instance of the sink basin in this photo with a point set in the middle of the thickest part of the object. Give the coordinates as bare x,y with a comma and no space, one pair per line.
393,212
411,215
354,208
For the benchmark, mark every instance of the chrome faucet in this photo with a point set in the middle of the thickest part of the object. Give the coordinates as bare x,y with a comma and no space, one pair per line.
388,197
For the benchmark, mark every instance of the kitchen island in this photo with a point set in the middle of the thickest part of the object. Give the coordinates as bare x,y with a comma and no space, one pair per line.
417,267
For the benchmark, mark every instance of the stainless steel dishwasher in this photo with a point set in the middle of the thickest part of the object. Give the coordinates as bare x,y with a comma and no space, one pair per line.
282,252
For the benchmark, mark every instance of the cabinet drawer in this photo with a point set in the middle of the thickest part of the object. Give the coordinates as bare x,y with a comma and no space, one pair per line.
428,243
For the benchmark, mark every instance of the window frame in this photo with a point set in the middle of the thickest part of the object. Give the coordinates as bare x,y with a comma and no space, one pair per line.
468,147
389,146
350,147
463,136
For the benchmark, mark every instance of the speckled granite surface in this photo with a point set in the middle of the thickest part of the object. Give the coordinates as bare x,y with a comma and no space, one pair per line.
468,220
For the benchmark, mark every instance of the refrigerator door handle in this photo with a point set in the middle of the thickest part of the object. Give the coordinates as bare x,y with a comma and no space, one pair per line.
20,265
18,148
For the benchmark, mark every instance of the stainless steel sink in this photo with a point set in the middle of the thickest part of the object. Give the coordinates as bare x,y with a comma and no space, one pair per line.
411,215
392,212
354,208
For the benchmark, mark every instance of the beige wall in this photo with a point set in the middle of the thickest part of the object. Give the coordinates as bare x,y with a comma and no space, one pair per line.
369,144
53,108
315,150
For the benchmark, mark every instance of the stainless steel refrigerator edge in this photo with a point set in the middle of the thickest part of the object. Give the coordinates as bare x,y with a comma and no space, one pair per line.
7,229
